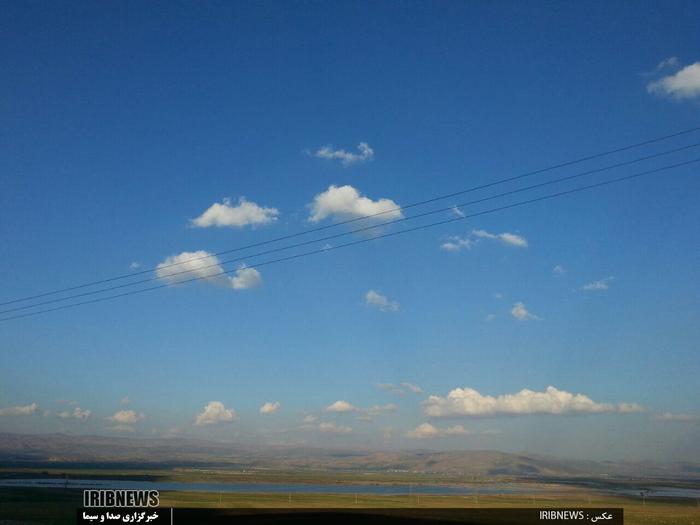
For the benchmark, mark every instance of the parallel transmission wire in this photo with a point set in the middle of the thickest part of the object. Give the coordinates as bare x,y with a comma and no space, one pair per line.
370,239
355,219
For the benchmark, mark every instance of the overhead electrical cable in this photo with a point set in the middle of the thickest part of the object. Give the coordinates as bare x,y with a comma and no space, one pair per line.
355,219
343,234
369,239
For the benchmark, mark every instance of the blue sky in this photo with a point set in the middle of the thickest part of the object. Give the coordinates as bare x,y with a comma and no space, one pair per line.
123,123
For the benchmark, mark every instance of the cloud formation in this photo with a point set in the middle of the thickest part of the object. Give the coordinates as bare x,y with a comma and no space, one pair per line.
558,270
270,407
206,266
597,286
426,431
246,278
510,239
245,213
380,302
25,410
521,313
332,428
340,406
215,412
346,158
78,413
126,417
682,85
469,402
457,243
400,389
345,202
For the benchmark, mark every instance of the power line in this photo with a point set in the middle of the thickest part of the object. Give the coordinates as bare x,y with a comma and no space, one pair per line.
361,241
359,230
355,219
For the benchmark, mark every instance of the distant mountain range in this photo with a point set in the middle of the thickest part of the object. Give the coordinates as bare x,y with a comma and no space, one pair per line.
29,450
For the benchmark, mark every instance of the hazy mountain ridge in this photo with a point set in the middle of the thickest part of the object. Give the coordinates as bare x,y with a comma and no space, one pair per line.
42,449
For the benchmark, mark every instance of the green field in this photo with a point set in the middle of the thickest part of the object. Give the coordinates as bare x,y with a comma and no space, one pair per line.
58,506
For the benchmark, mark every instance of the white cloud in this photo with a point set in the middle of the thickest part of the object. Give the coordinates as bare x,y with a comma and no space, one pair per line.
26,410
270,407
345,202
381,302
667,63
684,84
245,213
469,402
215,412
426,431
558,270
78,413
126,417
310,418
377,410
510,239
332,428
597,286
345,157
413,388
246,278
135,265
205,266
456,244
521,313
458,212
340,406
670,416
400,389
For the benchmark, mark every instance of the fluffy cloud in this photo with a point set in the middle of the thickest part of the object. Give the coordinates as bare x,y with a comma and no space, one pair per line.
78,413
469,402
26,410
215,412
126,417
345,202
558,270
381,302
245,213
670,416
400,389
597,286
332,428
426,431
341,406
246,278
457,243
684,84
509,239
205,266
521,313
270,407
365,154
